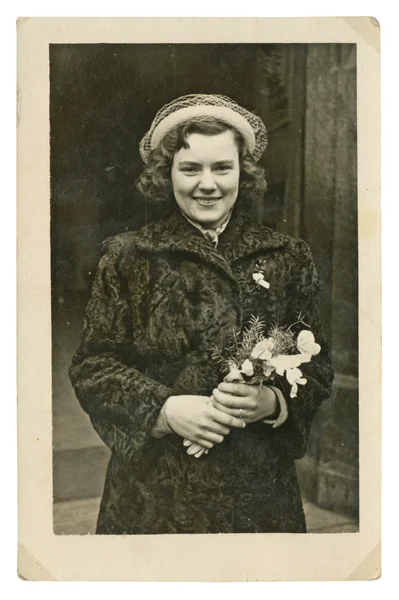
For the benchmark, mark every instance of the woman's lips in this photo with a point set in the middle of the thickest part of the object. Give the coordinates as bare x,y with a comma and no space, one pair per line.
207,201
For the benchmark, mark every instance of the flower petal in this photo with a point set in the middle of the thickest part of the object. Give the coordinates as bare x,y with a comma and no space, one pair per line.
305,357
268,370
294,360
306,343
262,349
280,363
293,375
283,362
305,336
316,349
235,374
247,368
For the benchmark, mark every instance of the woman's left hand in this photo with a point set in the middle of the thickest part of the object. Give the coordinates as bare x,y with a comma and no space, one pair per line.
250,402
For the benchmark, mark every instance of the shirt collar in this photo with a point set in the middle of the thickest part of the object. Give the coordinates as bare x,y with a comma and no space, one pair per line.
211,234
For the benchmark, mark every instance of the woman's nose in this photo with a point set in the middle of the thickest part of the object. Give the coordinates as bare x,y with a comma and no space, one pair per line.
207,181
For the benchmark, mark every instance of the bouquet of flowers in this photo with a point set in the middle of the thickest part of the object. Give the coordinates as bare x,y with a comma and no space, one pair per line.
258,358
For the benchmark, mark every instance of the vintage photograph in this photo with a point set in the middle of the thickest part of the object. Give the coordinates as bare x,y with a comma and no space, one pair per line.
204,288
199,310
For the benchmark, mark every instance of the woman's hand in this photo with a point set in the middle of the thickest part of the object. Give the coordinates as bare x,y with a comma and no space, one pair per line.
196,419
249,402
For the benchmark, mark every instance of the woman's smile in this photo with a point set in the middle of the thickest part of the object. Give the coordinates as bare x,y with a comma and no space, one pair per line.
205,177
207,201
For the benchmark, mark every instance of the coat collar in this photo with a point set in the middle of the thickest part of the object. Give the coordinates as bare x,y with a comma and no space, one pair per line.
241,238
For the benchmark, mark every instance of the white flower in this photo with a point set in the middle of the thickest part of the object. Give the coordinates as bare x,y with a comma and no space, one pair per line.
268,369
306,343
294,377
284,362
263,349
247,368
235,373
259,278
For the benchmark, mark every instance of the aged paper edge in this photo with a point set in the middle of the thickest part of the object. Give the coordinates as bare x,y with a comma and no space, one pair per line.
370,568
367,28
312,557
31,569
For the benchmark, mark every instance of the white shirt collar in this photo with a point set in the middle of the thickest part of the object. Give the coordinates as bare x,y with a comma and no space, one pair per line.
211,234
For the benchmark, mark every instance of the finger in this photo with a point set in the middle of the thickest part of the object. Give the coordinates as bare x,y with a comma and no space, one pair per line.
229,420
200,453
196,448
234,376
225,409
233,412
239,413
193,449
236,389
233,401
227,400
187,443
221,407
211,436
216,427
206,443
215,438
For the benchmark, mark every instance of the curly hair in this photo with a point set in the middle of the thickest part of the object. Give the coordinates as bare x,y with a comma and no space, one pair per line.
155,184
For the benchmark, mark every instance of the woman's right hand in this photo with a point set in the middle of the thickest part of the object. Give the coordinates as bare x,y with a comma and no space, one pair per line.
195,418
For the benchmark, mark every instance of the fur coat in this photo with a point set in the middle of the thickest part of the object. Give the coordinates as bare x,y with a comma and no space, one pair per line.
162,298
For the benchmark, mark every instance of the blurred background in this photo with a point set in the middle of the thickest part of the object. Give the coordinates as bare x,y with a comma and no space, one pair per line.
103,98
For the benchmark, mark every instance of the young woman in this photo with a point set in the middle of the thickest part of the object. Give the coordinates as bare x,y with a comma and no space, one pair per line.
163,299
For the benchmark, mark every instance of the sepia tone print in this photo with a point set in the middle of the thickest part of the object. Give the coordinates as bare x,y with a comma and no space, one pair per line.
235,347
306,96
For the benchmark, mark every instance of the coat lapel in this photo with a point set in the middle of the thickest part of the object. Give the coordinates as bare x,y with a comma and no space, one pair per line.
244,238
240,239
177,235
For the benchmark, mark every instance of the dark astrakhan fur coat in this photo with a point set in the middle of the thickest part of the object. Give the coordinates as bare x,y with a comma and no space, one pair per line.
162,298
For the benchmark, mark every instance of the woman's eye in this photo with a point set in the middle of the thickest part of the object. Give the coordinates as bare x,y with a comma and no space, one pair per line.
222,168
189,170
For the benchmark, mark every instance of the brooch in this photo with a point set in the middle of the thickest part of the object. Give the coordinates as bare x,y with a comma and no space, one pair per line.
259,277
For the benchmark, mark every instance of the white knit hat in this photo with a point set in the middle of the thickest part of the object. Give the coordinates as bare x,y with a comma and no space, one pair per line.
185,108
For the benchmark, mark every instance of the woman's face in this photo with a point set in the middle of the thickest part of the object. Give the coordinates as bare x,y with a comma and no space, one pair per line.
205,177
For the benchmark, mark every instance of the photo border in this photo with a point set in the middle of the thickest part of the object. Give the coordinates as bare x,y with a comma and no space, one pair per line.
43,555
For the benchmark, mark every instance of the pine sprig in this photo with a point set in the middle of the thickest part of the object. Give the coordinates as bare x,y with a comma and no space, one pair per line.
283,339
241,343
253,334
